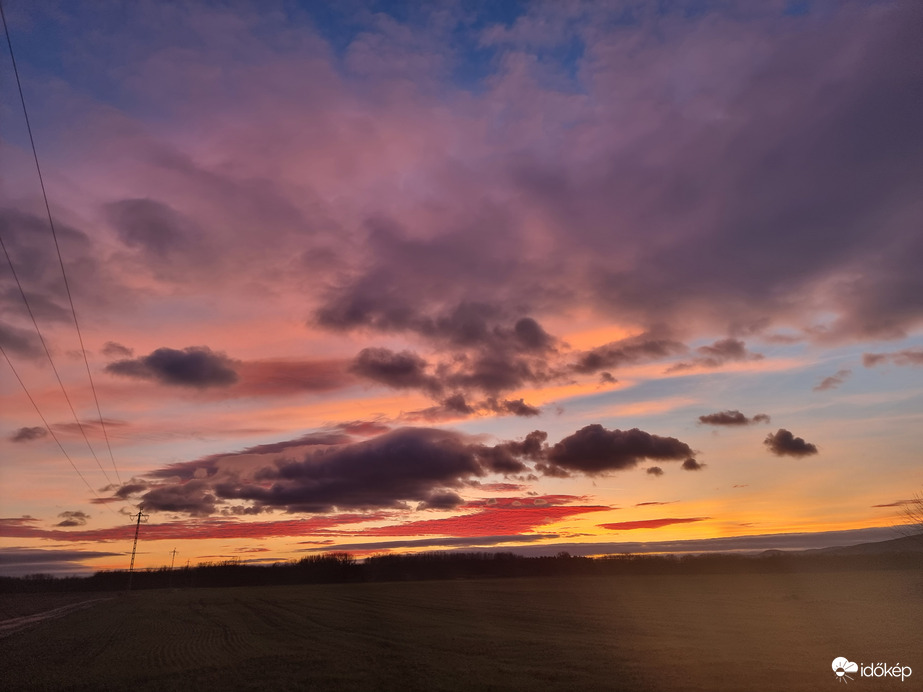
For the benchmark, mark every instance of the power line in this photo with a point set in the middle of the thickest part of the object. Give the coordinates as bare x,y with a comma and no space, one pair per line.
54,235
50,359
51,431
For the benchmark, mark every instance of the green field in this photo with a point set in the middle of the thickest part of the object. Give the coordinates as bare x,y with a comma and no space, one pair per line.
736,632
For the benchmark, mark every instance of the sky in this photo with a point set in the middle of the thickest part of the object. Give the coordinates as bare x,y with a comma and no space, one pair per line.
401,276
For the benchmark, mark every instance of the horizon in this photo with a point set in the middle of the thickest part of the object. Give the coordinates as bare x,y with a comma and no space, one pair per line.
506,276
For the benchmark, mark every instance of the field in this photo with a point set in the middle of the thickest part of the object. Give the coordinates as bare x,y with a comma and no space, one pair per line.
703,632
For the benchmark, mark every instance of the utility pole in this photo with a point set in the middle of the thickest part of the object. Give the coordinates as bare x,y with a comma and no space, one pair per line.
134,547
172,560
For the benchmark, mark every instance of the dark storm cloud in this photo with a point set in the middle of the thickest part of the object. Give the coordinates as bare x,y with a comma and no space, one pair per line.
833,381
732,418
594,450
73,518
717,354
636,349
784,443
692,465
194,366
905,357
28,434
22,342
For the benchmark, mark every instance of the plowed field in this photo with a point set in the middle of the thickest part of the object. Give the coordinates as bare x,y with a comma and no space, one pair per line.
740,633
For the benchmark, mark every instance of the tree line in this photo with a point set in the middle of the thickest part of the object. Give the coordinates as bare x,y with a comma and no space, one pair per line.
331,568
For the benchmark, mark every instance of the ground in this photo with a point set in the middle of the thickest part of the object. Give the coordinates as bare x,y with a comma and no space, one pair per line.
677,632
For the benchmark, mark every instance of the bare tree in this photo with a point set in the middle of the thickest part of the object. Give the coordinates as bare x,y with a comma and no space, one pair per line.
913,514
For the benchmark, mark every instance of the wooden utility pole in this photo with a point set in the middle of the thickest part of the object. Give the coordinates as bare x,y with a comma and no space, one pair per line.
134,547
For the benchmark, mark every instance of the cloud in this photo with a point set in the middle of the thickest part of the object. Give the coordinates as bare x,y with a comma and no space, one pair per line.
194,366
20,341
717,354
649,523
200,529
387,471
28,434
732,417
113,349
456,406
833,381
363,428
24,520
692,465
516,407
654,470
404,370
463,541
154,228
594,450
445,499
287,377
897,503
905,357
481,351
398,469
784,443
73,518
648,504
17,562
396,255
628,351
506,517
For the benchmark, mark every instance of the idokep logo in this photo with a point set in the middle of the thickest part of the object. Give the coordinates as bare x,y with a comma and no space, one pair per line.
843,666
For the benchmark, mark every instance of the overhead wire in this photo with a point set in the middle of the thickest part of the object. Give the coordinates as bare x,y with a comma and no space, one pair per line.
51,431
70,298
50,359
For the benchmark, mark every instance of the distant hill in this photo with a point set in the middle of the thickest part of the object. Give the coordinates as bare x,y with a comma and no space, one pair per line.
904,544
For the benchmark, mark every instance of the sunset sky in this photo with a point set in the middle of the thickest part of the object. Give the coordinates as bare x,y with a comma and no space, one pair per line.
530,276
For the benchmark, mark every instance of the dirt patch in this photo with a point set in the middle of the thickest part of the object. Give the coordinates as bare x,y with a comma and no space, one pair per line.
10,625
